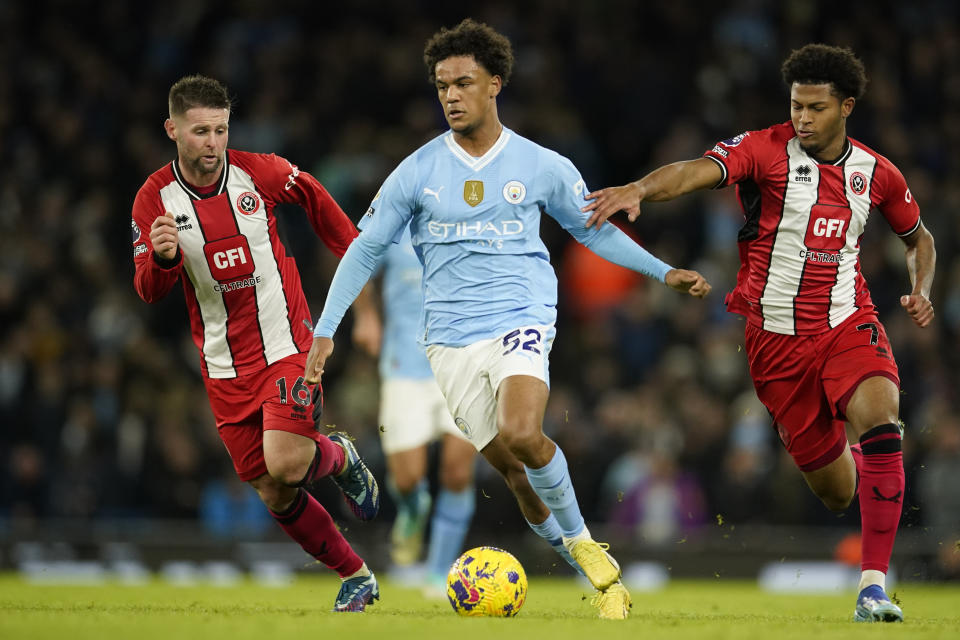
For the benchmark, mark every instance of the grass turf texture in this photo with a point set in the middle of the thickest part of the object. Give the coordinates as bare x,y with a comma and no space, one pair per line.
556,608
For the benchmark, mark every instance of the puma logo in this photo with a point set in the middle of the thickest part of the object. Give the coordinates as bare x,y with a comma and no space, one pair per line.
882,498
431,192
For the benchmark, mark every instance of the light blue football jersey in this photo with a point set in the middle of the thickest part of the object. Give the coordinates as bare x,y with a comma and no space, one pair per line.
475,225
401,355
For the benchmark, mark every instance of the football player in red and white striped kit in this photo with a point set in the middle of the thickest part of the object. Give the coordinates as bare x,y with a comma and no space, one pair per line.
818,354
207,220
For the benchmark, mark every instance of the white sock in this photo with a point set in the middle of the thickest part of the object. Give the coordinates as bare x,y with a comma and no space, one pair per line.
362,571
872,576
583,535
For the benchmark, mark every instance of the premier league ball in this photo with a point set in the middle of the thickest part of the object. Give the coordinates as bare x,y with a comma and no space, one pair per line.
487,581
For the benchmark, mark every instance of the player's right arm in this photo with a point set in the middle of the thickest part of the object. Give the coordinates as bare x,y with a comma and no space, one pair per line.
665,183
381,226
355,269
156,248
367,324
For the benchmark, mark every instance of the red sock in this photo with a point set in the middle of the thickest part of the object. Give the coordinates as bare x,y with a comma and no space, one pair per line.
858,462
881,493
309,524
328,459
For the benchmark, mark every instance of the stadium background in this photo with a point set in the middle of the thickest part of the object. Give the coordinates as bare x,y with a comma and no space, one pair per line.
106,434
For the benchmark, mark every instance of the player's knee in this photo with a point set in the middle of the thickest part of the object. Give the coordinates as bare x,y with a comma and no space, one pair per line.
288,470
838,499
273,494
405,483
456,478
522,438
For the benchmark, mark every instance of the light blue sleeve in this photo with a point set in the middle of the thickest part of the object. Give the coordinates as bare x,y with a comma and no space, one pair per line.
355,268
392,207
381,225
610,243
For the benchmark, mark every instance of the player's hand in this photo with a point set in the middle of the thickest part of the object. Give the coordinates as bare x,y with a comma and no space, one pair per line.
687,281
606,202
320,350
919,308
164,236
368,332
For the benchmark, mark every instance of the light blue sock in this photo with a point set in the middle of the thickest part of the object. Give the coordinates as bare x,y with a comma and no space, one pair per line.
550,531
552,483
451,519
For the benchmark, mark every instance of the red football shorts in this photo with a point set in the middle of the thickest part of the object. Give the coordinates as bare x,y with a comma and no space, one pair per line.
246,406
806,381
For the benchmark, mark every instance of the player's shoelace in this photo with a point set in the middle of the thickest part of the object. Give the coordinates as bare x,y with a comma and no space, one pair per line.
598,565
359,487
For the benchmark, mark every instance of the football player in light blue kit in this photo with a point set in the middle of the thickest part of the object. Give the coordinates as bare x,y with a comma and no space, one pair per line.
413,413
473,199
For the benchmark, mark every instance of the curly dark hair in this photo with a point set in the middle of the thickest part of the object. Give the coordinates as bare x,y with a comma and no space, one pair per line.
197,91
490,49
822,64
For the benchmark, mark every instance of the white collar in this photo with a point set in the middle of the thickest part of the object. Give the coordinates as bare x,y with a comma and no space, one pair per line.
477,163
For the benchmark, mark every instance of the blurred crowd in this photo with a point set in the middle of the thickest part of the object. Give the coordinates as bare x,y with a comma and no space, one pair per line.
102,409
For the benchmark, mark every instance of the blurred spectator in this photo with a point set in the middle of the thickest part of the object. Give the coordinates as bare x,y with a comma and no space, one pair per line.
937,486
230,509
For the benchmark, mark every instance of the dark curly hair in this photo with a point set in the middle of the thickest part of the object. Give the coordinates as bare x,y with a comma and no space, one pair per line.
470,38
197,91
823,64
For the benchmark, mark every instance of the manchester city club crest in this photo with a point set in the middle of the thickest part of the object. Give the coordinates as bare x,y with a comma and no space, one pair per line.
473,192
462,425
514,192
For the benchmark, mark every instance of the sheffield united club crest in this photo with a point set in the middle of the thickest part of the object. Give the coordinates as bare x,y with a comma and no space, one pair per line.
248,203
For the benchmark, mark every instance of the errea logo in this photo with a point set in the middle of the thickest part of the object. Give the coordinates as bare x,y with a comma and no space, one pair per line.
183,222
803,174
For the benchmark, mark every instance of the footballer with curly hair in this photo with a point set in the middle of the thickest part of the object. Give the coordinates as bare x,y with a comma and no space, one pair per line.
473,198
818,355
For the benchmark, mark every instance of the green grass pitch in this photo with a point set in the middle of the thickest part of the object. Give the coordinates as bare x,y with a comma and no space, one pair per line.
557,609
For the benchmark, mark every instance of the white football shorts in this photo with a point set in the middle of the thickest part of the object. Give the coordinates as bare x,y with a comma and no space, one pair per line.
412,413
470,376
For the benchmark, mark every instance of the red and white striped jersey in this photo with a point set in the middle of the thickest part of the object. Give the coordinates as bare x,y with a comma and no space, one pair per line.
800,244
247,307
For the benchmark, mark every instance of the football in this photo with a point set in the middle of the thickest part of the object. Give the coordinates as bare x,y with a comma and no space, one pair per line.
487,581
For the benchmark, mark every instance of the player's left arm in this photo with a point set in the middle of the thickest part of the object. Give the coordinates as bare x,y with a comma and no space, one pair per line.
289,184
893,198
921,256
608,241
